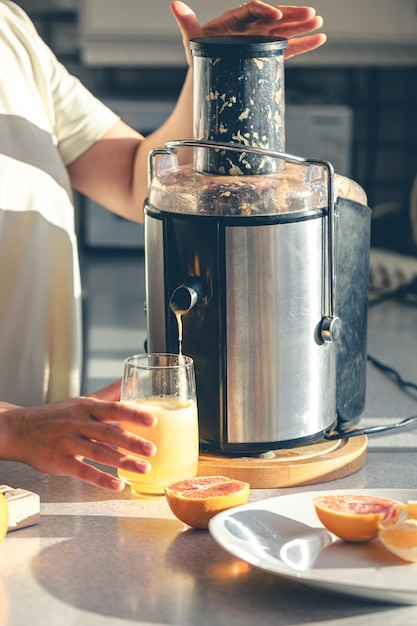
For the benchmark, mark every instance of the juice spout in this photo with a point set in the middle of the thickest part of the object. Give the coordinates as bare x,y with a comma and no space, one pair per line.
186,296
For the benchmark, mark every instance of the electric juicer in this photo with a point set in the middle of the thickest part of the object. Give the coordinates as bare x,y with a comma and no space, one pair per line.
263,255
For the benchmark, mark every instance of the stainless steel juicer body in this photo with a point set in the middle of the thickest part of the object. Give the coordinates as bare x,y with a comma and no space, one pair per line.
259,246
272,369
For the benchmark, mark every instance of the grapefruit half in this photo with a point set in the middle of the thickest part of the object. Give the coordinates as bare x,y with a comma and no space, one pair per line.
196,500
356,517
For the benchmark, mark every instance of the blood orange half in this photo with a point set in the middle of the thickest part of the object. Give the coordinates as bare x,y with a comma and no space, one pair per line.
196,500
356,517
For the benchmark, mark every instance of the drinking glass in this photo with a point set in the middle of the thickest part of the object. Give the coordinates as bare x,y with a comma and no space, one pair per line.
164,385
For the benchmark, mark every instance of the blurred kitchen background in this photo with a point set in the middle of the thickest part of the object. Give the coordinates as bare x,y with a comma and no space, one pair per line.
353,102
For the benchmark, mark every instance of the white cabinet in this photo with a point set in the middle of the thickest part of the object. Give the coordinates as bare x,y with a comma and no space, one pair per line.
135,32
368,21
367,32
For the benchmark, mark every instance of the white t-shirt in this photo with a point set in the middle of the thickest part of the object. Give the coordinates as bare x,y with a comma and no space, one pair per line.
47,119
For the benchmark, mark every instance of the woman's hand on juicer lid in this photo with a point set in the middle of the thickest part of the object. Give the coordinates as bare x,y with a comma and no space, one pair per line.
255,18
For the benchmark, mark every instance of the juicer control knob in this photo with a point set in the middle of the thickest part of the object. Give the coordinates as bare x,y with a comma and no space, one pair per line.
330,329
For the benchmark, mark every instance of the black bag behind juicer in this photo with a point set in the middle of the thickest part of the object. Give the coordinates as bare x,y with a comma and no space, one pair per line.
269,255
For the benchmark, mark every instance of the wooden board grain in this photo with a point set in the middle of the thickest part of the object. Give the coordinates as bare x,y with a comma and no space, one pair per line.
306,465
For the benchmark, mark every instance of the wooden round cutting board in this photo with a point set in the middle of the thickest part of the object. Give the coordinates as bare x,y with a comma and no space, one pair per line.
305,465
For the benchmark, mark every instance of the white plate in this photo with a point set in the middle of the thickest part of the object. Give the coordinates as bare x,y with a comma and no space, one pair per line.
365,570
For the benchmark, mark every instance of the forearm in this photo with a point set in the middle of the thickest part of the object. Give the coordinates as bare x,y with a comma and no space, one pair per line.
114,171
9,426
179,125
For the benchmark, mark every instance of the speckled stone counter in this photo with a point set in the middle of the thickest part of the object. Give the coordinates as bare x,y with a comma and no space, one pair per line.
98,558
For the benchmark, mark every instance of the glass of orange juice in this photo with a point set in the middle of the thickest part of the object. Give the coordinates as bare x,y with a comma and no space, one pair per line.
164,385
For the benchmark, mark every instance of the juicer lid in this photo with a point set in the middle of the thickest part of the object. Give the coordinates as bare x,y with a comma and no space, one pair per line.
247,45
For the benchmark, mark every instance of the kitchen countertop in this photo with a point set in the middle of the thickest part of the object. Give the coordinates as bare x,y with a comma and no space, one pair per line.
99,558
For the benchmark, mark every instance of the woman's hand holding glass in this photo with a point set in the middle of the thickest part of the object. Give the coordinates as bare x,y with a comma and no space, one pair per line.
65,437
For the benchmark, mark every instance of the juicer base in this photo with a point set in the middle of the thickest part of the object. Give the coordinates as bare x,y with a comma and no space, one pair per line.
304,465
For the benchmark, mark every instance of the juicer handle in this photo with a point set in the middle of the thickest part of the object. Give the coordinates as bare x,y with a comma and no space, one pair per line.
153,154
330,325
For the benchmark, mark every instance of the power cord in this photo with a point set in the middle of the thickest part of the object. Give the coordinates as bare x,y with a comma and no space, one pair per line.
407,292
347,434
392,373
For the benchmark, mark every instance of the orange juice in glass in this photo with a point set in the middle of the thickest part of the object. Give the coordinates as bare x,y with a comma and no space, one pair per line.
164,385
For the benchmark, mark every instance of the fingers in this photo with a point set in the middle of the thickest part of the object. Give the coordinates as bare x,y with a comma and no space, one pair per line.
108,444
129,413
101,424
255,18
56,438
115,411
84,428
111,436
186,19
88,452
94,476
248,13
304,44
295,13
235,21
252,18
292,28
122,458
